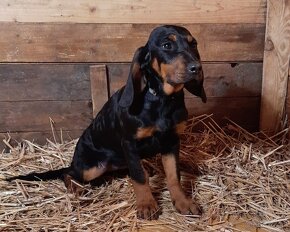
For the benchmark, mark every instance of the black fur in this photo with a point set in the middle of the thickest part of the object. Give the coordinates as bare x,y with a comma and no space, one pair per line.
110,140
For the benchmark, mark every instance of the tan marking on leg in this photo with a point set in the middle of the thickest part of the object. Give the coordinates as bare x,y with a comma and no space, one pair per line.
147,207
145,132
180,127
93,173
183,204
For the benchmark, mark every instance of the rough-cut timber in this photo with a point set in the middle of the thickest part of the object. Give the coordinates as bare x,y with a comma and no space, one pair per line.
31,42
35,116
276,65
36,82
99,87
128,11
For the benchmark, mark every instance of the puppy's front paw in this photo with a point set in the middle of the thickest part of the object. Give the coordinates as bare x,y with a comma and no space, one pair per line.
187,206
147,209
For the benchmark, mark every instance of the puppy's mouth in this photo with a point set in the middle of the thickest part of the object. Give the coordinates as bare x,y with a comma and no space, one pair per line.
183,78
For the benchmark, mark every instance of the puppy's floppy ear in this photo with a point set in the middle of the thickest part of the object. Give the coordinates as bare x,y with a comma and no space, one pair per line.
134,83
196,87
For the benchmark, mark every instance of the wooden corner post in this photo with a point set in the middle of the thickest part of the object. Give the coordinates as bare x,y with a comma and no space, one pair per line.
275,65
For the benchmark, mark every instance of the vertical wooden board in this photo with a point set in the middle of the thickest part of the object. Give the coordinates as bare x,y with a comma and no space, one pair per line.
288,101
117,76
99,87
276,63
44,82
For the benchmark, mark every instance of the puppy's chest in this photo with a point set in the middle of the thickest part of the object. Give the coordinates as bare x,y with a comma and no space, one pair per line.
155,130
162,125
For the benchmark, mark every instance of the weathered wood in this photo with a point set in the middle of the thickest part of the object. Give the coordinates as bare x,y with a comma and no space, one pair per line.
39,137
24,82
288,101
128,11
99,87
30,42
242,110
276,64
221,79
35,115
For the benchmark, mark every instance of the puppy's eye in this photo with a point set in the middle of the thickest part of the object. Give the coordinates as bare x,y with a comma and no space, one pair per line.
166,46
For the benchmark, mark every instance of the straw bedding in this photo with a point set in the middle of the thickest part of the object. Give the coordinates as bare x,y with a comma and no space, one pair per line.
235,176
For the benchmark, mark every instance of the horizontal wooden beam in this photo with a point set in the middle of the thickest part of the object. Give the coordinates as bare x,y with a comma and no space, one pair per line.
221,79
128,11
242,110
30,42
74,82
35,115
46,82
24,117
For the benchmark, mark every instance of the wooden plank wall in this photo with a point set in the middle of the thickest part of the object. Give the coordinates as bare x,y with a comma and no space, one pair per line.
53,53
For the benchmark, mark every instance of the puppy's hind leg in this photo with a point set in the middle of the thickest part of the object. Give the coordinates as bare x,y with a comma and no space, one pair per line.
72,180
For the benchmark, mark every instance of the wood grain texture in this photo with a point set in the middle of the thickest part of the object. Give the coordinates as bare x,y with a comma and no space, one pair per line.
221,79
35,115
30,42
25,82
129,11
99,87
288,100
276,65
242,110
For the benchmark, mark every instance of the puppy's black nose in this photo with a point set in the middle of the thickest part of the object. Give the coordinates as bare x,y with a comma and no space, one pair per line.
194,67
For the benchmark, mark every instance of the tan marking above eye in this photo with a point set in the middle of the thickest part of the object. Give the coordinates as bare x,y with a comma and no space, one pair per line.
189,38
172,37
145,132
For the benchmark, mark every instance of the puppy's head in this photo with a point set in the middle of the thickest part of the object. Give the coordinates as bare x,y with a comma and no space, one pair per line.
170,54
174,57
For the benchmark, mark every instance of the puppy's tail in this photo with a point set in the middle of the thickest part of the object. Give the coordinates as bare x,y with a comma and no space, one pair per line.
49,175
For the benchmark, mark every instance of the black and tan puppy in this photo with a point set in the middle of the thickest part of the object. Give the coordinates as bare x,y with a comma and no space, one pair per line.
142,119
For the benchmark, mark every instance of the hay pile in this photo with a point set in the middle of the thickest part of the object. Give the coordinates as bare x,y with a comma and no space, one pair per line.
242,177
